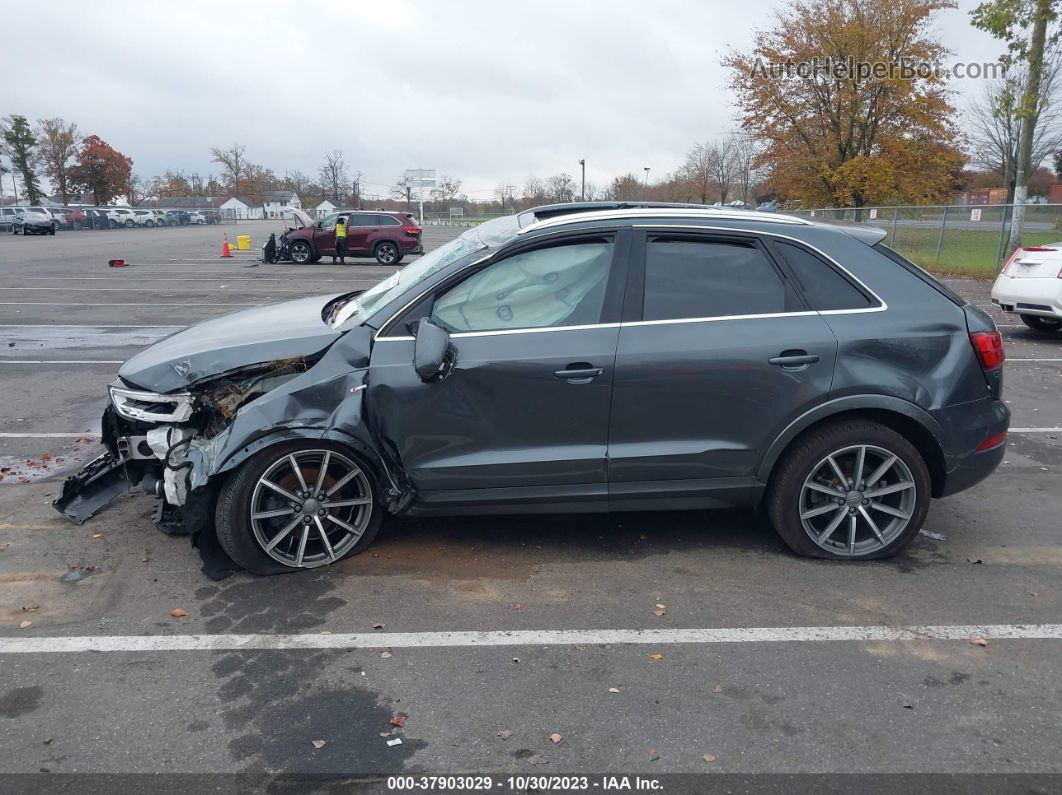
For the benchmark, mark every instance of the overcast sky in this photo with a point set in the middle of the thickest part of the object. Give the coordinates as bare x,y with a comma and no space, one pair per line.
486,91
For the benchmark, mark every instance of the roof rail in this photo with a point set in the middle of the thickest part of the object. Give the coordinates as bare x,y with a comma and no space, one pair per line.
666,211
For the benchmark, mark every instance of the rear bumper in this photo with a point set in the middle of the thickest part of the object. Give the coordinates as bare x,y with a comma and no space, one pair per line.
1033,296
967,426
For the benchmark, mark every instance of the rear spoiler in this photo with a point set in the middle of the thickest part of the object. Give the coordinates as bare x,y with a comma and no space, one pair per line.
871,235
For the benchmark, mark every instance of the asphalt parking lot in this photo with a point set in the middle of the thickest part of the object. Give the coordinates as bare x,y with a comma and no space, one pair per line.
763,689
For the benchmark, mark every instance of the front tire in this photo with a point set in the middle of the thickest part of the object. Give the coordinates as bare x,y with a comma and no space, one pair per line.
386,253
298,505
1047,325
851,490
301,252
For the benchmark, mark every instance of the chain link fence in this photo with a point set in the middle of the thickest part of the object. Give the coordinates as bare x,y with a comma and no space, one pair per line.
969,240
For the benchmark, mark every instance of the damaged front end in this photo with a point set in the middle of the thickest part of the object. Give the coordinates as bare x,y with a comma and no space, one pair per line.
152,441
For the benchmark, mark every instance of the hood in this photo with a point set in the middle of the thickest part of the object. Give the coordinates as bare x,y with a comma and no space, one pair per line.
300,216
254,336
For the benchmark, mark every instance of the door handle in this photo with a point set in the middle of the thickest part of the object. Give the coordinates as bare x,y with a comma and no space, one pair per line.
794,359
579,372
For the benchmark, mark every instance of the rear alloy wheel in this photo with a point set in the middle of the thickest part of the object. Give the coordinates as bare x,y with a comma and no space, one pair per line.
297,506
1048,325
386,253
855,490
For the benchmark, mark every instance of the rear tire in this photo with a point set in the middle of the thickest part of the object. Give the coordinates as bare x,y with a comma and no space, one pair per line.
819,516
297,544
386,253
1046,325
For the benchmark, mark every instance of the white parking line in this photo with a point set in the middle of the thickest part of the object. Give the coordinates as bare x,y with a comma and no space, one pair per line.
1035,430
654,637
61,361
146,289
1034,360
124,303
86,434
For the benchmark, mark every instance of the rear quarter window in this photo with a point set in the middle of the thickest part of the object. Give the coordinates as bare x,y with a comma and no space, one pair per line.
824,287
932,281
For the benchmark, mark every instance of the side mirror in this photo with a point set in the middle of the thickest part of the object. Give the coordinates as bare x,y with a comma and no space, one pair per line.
429,351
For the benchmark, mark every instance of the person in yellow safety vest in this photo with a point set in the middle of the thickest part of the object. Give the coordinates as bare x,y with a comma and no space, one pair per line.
341,240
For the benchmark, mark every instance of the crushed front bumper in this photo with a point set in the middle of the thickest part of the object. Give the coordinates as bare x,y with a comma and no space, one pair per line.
98,484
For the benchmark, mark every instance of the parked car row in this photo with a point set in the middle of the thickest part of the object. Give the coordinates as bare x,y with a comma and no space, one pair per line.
50,219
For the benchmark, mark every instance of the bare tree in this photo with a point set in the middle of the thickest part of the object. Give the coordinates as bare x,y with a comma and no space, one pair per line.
534,191
560,188
402,190
234,162
57,144
995,122
134,190
334,177
698,171
445,189
745,151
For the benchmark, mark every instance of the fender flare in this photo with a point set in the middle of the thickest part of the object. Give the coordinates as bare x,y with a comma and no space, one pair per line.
846,404
232,459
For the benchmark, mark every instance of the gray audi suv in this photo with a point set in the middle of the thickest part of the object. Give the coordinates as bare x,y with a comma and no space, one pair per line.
572,358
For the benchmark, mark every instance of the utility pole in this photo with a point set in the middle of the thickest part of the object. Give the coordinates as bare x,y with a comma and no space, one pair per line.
1029,110
646,196
582,191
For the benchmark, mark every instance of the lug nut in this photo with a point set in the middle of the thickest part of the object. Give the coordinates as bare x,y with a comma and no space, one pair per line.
322,512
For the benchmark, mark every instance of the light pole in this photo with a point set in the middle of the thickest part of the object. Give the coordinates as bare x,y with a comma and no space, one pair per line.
582,192
646,182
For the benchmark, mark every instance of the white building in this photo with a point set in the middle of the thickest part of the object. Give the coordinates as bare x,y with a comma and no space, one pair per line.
329,206
276,201
240,209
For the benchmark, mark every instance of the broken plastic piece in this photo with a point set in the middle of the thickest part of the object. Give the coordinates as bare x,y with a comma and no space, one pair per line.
93,488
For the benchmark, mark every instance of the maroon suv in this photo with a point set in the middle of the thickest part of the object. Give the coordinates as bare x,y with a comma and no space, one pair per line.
384,235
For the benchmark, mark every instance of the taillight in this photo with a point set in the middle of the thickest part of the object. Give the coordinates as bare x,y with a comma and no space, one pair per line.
988,345
411,230
995,440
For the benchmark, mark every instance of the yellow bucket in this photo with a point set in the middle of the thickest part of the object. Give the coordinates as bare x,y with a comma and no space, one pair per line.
243,242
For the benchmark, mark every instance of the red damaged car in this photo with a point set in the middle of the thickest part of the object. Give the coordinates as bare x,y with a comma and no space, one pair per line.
387,236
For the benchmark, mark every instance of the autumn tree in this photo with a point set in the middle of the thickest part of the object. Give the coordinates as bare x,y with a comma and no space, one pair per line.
20,144
840,93
57,143
1023,24
234,162
102,169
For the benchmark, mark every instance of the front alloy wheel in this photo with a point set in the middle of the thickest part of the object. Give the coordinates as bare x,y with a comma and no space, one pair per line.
297,506
301,252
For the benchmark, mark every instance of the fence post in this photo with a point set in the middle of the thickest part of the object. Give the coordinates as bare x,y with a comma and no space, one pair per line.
892,240
940,237
1002,237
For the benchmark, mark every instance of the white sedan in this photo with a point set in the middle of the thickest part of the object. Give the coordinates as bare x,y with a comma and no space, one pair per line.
1030,286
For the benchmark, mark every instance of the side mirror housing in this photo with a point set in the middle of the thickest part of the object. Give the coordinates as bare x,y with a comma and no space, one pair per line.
430,351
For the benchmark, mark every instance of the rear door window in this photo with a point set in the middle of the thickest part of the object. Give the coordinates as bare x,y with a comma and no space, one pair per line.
824,287
362,219
387,220
687,279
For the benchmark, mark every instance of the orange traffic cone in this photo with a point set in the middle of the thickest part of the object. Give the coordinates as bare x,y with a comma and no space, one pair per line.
226,250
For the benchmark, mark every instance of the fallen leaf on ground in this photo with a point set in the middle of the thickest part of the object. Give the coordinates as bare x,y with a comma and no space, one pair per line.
536,759
318,743
934,536
25,624
717,689
978,641
31,607
326,632
386,655
656,656
908,705
395,741
555,738
399,720
377,625
178,612
660,611
97,535
709,757
505,734
613,690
